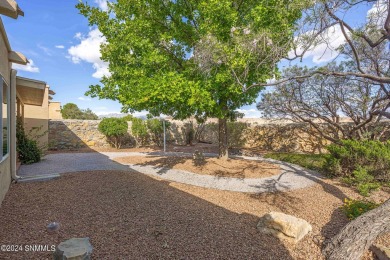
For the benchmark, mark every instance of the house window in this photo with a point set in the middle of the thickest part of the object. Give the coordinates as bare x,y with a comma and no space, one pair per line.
4,123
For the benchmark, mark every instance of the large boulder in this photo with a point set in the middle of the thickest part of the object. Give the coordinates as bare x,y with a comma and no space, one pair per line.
284,226
74,249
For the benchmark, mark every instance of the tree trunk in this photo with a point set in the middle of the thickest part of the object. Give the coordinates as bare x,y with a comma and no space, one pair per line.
359,235
223,152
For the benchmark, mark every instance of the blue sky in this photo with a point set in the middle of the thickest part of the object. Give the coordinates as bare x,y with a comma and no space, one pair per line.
64,51
45,35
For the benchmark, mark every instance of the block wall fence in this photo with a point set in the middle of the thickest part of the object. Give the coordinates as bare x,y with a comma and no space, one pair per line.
282,137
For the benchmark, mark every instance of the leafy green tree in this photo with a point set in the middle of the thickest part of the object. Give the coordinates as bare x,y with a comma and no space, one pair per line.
114,129
72,111
183,58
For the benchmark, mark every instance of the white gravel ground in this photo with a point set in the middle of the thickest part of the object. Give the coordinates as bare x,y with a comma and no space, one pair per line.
292,177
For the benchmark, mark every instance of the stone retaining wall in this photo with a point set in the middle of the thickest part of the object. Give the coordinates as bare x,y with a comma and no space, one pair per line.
283,137
74,134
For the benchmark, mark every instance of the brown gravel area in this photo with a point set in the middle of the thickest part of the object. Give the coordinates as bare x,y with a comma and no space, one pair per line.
133,216
237,168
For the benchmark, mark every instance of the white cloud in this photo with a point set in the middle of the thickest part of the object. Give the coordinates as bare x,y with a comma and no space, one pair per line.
270,81
326,51
88,50
84,98
78,36
60,46
250,113
102,4
30,67
45,50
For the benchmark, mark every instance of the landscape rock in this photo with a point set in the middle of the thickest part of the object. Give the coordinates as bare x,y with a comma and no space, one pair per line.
284,226
381,252
74,249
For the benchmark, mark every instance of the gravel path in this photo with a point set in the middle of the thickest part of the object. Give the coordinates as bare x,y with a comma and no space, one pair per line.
292,177
130,217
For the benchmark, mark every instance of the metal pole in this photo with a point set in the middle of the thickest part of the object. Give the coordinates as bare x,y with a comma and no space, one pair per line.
165,145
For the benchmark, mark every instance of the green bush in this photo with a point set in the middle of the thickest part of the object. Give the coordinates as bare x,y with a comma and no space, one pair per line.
28,149
156,129
139,130
364,182
363,164
355,208
114,129
373,156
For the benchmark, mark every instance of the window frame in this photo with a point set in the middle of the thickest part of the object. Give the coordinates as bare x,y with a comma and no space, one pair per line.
2,84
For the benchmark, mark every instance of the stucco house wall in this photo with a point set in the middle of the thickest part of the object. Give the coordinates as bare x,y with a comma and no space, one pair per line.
13,95
36,119
55,110
5,67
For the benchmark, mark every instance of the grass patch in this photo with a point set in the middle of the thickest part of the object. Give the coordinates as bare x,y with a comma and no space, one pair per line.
309,161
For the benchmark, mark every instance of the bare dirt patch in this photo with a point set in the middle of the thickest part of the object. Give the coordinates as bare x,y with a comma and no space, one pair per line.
237,168
128,215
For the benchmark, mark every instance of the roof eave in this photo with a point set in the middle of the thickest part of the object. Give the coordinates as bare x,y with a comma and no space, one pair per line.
10,8
17,57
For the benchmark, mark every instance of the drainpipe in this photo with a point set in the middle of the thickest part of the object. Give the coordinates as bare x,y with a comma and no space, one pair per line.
12,125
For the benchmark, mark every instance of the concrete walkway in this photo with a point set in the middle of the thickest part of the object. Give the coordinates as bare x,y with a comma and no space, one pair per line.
291,177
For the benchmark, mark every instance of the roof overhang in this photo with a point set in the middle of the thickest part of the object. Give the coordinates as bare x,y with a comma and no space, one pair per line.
17,57
13,56
30,91
10,8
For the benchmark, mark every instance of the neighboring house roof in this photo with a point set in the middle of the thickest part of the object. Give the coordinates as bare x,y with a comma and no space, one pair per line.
10,8
30,91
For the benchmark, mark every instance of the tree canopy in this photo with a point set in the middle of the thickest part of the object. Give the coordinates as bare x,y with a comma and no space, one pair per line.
191,58
72,111
325,101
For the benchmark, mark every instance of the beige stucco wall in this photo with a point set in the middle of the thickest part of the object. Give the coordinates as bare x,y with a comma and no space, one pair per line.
37,117
5,164
5,177
55,110
5,65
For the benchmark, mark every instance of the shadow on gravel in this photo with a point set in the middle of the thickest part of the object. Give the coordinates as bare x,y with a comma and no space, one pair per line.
286,203
209,165
128,215
163,164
